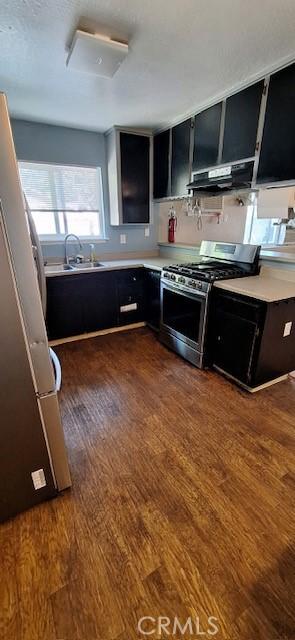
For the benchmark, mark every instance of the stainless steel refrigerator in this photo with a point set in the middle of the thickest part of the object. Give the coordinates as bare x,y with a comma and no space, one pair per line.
33,457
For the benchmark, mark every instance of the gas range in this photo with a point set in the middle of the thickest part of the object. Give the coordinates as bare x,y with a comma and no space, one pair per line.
200,275
185,294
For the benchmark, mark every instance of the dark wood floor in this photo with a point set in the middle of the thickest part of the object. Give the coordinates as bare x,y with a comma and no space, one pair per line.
182,505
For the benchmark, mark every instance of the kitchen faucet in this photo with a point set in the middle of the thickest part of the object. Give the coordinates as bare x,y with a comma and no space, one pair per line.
71,235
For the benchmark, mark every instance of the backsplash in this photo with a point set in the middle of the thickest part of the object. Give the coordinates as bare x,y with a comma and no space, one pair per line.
230,228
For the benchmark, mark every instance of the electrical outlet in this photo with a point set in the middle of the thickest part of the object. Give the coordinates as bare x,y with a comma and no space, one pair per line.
146,232
123,238
38,478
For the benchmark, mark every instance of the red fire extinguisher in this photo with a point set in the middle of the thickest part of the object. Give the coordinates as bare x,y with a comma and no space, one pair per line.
172,224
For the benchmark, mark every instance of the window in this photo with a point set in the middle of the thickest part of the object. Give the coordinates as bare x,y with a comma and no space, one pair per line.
263,231
64,199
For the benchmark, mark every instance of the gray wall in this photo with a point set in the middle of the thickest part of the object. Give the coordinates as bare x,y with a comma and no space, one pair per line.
36,142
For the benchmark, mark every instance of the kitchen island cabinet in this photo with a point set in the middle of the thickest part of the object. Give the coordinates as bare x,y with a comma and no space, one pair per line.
252,341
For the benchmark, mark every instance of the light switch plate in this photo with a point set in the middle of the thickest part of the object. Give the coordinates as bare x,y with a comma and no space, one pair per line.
123,238
146,232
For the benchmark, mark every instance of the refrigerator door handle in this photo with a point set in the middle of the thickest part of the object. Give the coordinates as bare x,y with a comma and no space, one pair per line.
57,369
38,257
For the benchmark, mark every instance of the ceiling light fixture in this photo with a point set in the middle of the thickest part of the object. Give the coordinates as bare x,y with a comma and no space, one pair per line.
97,54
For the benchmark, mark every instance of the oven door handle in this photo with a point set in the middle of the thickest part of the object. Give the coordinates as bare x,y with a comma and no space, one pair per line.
183,291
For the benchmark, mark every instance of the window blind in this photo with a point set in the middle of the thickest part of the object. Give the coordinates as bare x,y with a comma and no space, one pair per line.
60,188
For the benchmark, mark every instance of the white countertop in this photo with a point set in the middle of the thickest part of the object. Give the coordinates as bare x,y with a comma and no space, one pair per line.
260,287
277,256
109,265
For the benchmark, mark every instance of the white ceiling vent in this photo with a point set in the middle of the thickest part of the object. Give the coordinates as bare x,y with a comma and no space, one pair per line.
96,54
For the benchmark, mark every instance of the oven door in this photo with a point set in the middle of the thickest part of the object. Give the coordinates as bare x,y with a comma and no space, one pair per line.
183,314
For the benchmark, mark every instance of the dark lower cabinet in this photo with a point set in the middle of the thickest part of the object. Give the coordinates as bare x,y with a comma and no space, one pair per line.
130,295
65,315
82,303
98,296
251,340
153,304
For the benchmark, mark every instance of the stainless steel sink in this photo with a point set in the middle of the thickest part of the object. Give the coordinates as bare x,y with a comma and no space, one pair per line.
57,268
52,268
86,265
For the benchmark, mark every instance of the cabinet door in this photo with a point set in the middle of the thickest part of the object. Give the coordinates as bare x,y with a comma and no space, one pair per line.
234,345
153,306
161,164
180,167
278,142
99,301
135,178
241,123
206,137
130,296
64,308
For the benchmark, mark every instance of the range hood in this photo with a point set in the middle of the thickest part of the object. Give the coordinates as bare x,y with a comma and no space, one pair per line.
235,177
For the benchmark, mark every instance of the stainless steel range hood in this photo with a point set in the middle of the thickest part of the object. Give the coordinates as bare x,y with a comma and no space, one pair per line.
222,180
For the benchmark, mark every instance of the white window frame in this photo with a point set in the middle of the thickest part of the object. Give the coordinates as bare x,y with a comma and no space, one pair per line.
59,238
279,233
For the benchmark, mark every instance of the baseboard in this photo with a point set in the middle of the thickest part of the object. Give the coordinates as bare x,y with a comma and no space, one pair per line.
245,386
94,334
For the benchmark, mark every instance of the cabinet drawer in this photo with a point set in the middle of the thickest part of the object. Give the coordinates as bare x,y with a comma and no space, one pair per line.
129,285
131,310
239,306
129,276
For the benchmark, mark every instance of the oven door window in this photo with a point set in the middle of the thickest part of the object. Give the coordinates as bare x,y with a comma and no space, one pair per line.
184,314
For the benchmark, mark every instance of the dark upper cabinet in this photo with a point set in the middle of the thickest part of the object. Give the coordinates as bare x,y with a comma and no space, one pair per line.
241,123
135,180
277,152
128,157
161,164
206,137
180,158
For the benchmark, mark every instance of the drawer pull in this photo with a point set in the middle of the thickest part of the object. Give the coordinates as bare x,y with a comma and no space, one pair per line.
128,307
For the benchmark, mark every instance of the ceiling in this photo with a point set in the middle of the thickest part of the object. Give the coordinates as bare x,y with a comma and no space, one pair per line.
183,55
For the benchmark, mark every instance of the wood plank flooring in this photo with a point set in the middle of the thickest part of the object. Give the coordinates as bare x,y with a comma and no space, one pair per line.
182,505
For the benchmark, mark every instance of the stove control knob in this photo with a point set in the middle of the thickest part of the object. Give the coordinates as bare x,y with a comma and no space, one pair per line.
173,276
166,275
199,285
192,283
181,280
